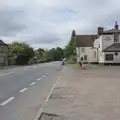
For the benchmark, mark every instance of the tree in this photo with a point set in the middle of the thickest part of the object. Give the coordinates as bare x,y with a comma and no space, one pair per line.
71,47
60,52
54,54
39,53
22,52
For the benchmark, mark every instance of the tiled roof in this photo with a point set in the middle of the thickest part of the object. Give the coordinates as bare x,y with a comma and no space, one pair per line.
111,31
2,43
85,40
113,48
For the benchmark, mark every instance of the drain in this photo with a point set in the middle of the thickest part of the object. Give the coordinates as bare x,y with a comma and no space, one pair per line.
46,116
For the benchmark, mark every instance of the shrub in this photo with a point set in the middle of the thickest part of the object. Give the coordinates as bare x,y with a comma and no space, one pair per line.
71,60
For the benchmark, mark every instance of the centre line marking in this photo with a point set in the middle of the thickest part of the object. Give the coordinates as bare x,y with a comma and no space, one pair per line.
6,74
32,83
39,79
7,101
44,76
23,90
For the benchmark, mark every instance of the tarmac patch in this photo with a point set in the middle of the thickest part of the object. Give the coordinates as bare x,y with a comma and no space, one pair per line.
46,116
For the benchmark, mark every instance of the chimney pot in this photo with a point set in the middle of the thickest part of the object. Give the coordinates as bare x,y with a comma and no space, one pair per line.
100,30
116,26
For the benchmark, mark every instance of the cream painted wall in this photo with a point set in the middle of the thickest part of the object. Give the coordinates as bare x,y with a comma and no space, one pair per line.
89,51
101,56
93,57
106,40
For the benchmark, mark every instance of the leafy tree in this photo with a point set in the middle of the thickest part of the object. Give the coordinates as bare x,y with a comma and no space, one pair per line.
22,52
54,54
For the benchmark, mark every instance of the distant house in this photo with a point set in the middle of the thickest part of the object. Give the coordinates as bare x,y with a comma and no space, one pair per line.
84,48
3,54
101,48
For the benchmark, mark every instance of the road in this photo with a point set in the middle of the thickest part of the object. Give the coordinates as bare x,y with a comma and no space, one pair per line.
23,90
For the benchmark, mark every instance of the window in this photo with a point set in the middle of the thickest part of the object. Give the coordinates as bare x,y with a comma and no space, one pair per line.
83,50
109,57
116,37
1,48
85,57
116,54
94,54
81,58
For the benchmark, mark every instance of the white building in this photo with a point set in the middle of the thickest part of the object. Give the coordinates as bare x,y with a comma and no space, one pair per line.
85,49
108,44
102,48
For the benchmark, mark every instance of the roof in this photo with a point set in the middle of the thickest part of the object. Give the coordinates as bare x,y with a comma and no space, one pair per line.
85,40
2,43
111,31
113,48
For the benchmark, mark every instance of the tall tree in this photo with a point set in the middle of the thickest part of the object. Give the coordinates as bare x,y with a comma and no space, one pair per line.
21,51
71,46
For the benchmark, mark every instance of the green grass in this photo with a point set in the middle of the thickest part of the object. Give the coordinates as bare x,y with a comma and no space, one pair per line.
77,66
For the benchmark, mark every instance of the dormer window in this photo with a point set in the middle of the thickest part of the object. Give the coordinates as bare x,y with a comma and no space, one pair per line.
116,37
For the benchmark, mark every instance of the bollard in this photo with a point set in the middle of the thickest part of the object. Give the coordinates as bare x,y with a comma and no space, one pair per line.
83,67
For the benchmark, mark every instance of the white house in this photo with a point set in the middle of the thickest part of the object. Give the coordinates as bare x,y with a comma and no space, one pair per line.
108,45
101,48
85,49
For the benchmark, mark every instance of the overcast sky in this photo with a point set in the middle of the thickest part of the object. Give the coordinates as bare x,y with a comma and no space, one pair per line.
49,23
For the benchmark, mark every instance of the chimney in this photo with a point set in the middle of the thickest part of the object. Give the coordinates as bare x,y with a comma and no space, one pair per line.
116,26
100,30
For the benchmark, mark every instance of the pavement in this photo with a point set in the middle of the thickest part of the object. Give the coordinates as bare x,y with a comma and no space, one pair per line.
90,94
23,90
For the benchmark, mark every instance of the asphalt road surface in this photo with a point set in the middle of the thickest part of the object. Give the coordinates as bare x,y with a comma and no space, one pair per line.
23,90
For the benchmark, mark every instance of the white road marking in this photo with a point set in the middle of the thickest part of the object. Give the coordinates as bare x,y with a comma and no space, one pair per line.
25,68
50,70
43,76
7,101
23,90
52,89
47,73
63,69
34,66
32,83
39,78
6,74
46,101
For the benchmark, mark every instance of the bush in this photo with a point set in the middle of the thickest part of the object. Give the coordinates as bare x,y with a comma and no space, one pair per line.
71,60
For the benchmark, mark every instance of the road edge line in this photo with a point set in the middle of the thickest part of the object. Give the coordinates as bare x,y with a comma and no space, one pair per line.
38,115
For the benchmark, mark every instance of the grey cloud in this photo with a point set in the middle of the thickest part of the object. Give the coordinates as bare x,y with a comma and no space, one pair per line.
50,23
10,22
45,39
